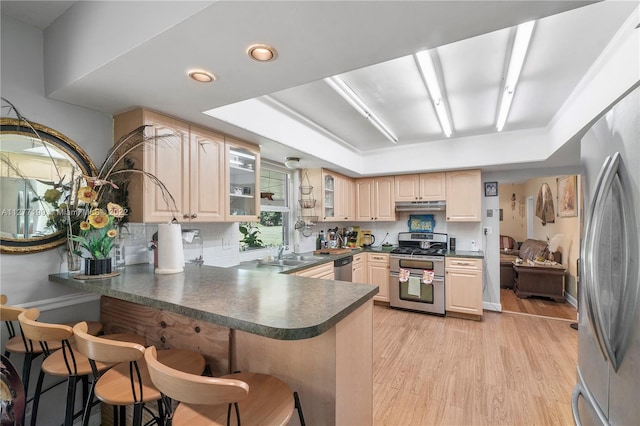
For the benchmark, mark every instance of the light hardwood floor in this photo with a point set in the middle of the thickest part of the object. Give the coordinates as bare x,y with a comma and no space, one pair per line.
540,306
507,369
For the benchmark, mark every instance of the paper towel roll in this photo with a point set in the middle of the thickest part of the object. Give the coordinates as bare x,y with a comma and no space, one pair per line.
170,252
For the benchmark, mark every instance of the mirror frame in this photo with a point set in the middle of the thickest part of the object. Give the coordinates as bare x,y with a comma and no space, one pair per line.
70,148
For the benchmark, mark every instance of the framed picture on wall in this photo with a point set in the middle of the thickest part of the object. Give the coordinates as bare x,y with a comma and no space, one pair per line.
491,189
567,198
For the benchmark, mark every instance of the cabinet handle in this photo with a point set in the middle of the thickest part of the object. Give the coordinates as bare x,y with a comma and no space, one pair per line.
185,216
193,216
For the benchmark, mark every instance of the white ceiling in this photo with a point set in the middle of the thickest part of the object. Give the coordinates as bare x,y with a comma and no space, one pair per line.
142,62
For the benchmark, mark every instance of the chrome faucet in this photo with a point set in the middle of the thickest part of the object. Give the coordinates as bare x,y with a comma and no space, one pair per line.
281,248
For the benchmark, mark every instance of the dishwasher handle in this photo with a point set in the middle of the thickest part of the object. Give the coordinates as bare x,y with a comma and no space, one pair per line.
343,262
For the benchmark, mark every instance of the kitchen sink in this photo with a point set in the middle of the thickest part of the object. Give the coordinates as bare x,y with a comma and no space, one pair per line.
305,258
283,262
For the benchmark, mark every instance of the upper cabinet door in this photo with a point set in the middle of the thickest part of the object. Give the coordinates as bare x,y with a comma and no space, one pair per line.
407,188
464,202
207,198
433,187
243,182
385,207
364,199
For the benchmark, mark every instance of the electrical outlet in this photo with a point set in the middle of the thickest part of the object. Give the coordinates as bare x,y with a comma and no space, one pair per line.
226,244
473,245
487,230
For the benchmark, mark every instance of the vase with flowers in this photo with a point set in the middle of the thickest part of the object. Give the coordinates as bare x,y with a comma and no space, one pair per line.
100,208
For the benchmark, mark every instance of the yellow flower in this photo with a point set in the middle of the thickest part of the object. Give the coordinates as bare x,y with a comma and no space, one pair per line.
112,233
115,210
98,218
87,194
85,226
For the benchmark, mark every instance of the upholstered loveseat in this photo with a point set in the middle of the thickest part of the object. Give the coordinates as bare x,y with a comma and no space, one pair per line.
532,277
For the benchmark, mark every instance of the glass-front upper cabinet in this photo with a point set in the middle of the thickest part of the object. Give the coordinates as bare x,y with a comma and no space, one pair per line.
243,181
329,197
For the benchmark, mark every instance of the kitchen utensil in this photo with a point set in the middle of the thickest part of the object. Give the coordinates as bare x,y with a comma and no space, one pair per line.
307,231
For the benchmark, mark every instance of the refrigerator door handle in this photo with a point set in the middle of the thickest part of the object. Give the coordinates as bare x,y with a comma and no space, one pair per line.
579,390
613,340
589,262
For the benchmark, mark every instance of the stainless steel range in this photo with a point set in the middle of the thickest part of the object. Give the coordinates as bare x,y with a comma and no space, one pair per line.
416,268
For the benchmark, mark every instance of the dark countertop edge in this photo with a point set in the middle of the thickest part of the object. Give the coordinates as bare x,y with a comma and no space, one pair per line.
469,254
93,286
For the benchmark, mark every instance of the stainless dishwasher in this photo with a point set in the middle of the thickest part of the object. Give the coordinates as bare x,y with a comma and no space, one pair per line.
342,268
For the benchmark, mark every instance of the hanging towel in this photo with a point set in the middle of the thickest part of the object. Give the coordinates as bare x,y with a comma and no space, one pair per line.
427,276
404,275
413,289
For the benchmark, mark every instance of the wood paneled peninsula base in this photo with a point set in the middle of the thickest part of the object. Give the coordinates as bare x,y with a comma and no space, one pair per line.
316,335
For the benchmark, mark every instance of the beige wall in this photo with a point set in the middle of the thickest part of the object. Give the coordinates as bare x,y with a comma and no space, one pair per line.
514,222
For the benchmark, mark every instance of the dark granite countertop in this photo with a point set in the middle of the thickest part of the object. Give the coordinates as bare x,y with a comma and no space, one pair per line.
471,254
277,306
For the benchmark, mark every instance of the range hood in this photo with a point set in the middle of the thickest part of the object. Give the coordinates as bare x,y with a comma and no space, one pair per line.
420,206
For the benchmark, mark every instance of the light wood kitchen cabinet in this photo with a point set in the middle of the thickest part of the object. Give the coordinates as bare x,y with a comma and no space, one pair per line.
463,287
378,274
195,166
464,196
243,181
324,271
359,269
168,160
206,165
374,199
334,195
421,187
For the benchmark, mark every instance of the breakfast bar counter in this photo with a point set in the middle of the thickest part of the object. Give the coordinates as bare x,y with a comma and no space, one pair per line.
317,335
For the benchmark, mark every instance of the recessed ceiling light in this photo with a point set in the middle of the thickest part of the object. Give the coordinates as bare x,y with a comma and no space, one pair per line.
262,52
201,76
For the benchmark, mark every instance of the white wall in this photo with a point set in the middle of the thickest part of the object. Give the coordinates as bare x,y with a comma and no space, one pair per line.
23,278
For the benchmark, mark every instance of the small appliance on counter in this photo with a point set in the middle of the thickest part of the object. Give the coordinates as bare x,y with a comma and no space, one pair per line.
368,239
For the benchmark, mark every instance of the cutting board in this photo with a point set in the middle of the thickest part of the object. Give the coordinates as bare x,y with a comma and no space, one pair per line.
332,251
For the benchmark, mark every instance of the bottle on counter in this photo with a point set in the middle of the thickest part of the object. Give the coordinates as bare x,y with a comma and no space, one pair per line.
320,240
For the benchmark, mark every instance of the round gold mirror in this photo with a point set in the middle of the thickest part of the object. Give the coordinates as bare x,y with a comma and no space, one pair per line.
35,159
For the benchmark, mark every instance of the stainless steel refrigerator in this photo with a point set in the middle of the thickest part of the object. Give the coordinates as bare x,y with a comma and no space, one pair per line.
608,384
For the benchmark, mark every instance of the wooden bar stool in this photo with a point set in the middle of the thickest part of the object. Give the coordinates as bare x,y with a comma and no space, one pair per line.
18,344
66,362
128,382
257,398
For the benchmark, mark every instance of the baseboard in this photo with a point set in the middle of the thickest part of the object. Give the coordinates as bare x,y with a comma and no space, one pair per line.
571,300
62,301
490,306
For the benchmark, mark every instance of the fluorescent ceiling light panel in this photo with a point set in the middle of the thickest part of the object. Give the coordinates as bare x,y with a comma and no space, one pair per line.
519,52
341,88
428,72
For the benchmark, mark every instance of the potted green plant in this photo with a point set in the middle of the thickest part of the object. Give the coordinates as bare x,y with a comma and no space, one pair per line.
250,237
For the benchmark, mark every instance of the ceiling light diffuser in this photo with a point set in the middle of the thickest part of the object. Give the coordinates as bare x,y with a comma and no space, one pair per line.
262,52
516,61
341,88
292,163
201,76
428,72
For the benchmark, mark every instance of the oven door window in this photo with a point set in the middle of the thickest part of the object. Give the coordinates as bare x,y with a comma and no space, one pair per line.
416,264
407,290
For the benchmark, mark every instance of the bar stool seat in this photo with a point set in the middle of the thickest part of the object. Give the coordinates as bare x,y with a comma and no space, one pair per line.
128,382
66,362
18,344
257,398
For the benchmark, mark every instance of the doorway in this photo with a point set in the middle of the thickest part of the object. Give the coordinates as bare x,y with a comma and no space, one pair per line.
518,222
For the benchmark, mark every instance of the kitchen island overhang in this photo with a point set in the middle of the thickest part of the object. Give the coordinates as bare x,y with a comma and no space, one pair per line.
317,335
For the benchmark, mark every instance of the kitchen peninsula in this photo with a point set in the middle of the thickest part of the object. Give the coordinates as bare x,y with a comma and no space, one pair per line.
315,335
